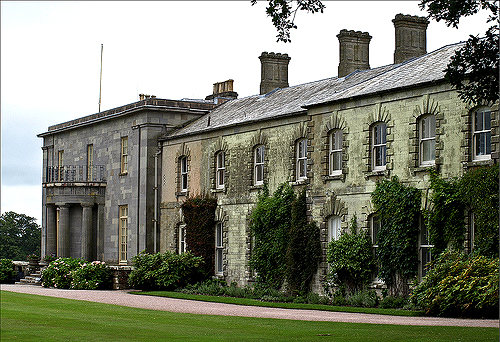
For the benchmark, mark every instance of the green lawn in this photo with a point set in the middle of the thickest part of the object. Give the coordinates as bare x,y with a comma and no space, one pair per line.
39,318
256,302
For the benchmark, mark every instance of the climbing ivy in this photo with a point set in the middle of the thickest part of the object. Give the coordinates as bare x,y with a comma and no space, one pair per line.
477,191
270,226
398,207
304,249
199,216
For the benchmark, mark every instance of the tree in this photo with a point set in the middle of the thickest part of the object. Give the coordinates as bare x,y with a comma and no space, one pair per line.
20,235
473,70
283,14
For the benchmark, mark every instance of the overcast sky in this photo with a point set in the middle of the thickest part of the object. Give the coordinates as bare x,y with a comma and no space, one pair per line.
50,61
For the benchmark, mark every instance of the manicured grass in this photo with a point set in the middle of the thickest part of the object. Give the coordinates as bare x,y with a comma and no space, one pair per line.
38,318
256,302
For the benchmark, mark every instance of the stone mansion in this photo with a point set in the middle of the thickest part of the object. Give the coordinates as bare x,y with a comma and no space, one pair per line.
114,182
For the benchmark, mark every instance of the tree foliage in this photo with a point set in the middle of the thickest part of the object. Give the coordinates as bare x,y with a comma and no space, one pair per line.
304,249
20,235
350,260
473,70
398,207
199,216
282,13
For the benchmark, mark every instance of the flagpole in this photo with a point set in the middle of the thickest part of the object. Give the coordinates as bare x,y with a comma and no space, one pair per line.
100,82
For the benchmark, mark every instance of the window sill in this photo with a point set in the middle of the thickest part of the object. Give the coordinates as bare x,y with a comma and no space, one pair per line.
182,193
123,173
424,168
479,162
221,190
377,173
299,182
257,187
328,178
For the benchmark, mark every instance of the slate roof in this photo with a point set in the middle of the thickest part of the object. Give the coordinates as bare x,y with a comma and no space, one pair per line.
295,100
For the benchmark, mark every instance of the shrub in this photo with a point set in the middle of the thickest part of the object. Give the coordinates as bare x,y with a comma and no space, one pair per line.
166,271
92,276
391,302
459,285
365,299
7,273
58,273
350,259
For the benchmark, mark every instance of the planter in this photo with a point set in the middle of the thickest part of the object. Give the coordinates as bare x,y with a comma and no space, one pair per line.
33,262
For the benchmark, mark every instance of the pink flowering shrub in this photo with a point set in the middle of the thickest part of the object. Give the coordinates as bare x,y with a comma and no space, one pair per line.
92,276
58,273
70,273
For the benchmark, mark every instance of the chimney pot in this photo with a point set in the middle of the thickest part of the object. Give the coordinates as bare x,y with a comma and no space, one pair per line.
274,71
354,51
411,37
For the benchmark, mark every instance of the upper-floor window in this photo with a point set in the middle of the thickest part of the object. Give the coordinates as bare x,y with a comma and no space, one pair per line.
258,165
379,147
90,162
427,139
183,174
333,228
482,134
335,152
124,155
220,170
60,165
301,159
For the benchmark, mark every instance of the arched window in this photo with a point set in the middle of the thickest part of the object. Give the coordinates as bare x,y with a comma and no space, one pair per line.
183,174
258,165
427,139
482,133
334,227
335,152
220,170
301,160
379,140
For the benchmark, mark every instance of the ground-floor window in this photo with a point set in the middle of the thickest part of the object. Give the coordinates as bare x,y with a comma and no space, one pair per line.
218,249
182,239
123,234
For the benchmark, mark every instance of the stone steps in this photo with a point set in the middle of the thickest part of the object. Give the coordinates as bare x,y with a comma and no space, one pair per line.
35,278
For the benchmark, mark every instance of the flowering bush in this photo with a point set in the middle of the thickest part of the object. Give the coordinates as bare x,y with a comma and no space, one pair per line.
33,256
50,257
58,273
92,276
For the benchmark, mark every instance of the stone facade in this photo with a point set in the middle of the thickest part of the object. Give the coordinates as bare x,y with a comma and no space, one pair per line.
86,182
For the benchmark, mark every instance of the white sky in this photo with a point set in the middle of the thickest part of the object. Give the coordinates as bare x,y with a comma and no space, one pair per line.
50,61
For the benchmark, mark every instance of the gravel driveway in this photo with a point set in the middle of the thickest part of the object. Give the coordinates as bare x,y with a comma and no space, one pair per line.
122,297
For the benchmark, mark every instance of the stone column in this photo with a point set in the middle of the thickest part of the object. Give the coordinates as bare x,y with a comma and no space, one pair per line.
51,226
63,243
86,231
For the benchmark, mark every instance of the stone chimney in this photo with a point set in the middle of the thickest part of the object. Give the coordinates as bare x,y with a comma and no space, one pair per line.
274,71
411,37
354,51
223,92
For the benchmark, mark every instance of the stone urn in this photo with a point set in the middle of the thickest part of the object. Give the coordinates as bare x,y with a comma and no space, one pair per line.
34,261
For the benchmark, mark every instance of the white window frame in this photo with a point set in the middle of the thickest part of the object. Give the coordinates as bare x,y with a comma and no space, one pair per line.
335,151
123,234
379,144
374,229
425,247
481,135
220,170
427,139
183,173
219,249
182,239
124,155
334,228
258,165
301,160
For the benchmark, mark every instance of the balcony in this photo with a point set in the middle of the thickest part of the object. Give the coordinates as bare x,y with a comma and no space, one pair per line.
74,174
